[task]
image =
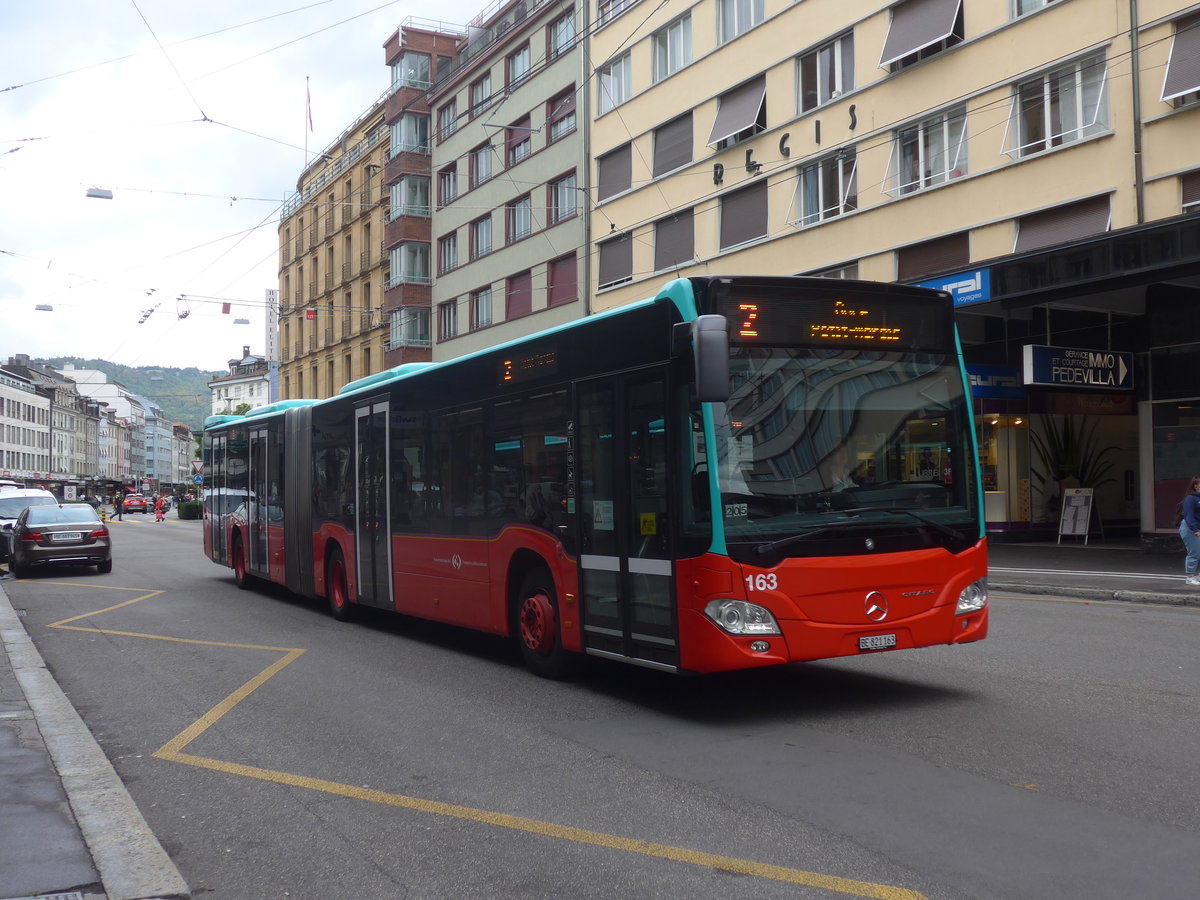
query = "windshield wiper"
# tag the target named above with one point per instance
(946, 530)
(766, 548)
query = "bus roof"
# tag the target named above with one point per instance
(677, 291)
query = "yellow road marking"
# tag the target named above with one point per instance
(172, 751)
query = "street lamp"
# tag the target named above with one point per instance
(99, 193)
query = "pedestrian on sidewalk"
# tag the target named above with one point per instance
(1189, 530)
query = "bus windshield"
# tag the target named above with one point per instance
(819, 449)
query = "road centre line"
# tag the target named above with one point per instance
(173, 751)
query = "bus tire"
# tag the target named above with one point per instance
(336, 589)
(241, 576)
(536, 624)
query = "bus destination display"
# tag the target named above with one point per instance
(838, 321)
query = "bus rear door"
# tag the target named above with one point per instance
(625, 564)
(372, 516)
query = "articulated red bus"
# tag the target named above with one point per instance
(742, 471)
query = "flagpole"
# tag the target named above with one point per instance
(307, 118)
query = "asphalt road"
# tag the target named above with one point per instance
(277, 753)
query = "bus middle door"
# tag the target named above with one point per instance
(372, 516)
(628, 585)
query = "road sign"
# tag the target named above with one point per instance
(197, 479)
(197, 465)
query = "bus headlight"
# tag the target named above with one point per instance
(973, 598)
(740, 617)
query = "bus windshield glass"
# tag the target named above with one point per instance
(823, 451)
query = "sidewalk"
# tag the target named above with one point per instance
(1114, 569)
(67, 825)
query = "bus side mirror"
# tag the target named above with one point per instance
(710, 349)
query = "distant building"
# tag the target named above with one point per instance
(248, 383)
(24, 429)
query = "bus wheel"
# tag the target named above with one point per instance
(335, 587)
(536, 627)
(240, 576)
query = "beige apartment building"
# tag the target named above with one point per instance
(509, 160)
(332, 264)
(1039, 159)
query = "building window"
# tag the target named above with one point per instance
(827, 188)
(411, 70)
(943, 254)
(919, 29)
(481, 308)
(1181, 84)
(741, 114)
(448, 119)
(562, 34)
(517, 65)
(447, 320)
(614, 172)
(1025, 7)
(846, 271)
(744, 215)
(560, 113)
(615, 264)
(448, 184)
(410, 196)
(518, 295)
(674, 241)
(1060, 107)
(1062, 224)
(1189, 185)
(410, 134)
(481, 164)
(825, 73)
(448, 252)
(562, 199)
(518, 140)
(410, 264)
(614, 83)
(930, 152)
(409, 328)
(673, 145)
(520, 219)
(610, 9)
(736, 17)
(481, 94)
(562, 277)
(481, 237)
(672, 47)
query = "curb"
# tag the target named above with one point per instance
(1058, 590)
(131, 862)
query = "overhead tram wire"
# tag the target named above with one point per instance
(117, 59)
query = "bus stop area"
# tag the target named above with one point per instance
(69, 827)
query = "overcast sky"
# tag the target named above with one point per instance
(115, 94)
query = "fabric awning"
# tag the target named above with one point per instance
(738, 110)
(917, 24)
(1183, 68)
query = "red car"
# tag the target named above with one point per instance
(136, 503)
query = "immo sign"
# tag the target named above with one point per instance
(1068, 367)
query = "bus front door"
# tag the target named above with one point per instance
(372, 517)
(627, 580)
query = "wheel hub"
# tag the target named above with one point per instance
(538, 623)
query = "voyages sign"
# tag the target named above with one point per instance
(1110, 370)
